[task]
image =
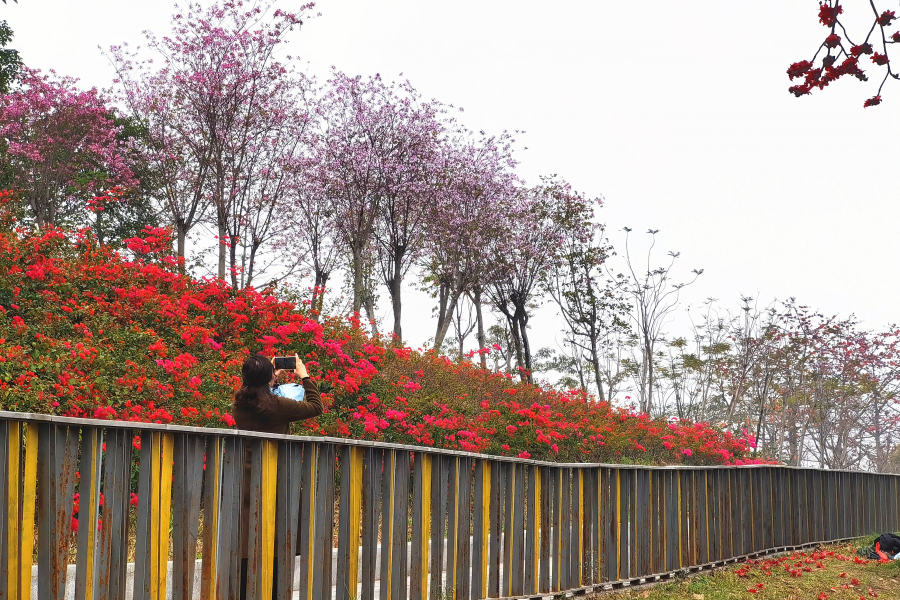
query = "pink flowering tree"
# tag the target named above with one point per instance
(226, 122)
(62, 146)
(476, 178)
(373, 159)
(524, 252)
(841, 53)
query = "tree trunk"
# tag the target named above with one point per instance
(595, 362)
(222, 238)
(526, 349)
(517, 342)
(447, 301)
(181, 236)
(370, 312)
(482, 340)
(358, 279)
(232, 259)
(395, 286)
(318, 295)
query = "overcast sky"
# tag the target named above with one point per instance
(676, 113)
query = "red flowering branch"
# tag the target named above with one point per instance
(841, 55)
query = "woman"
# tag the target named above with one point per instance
(262, 405)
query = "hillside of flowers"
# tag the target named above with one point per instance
(91, 331)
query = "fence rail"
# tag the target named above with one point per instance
(332, 518)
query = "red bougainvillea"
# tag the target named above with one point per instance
(87, 331)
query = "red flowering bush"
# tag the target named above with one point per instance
(87, 331)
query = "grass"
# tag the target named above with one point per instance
(826, 573)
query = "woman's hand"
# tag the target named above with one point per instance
(300, 369)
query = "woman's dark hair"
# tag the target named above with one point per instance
(254, 393)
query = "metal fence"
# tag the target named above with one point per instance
(333, 518)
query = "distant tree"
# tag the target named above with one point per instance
(309, 223)
(476, 182)
(372, 159)
(10, 61)
(590, 302)
(523, 252)
(225, 122)
(840, 54)
(63, 146)
(653, 298)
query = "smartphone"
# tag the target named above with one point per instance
(286, 363)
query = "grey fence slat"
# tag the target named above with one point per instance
(804, 500)
(834, 499)
(495, 520)
(725, 516)
(596, 546)
(531, 532)
(588, 489)
(546, 526)
(119, 564)
(694, 521)
(575, 528)
(346, 589)
(212, 477)
(113, 533)
(142, 527)
(841, 499)
(735, 493)
(565, 516)
(253, 522)
(89, 470)
(4, 508)
(401, 524)
(632, 524)
(287, 514)
(625, 494)
(643, 523)
(777, 509)
(657, 524)
(48, 482)
(509, 475)
(608, 500)
(715, 516)
(672, 532)
(438, 525)
(307, 520)
(229, 517)
(554, 491)
(57, 459)
(420, 537)
(769, 525)
(371, 505)
(703, 515)
(186, 491)
(463, 528)
(597, 526)
(479, 528)
(452, 521)
(517, 532)
(324, 535)
(684, 509)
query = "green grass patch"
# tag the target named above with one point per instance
(829, 572)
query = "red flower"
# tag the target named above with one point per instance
(885, 18)
(828, 14)
(872, 102)
(797, 69)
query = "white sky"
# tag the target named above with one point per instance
(677, 113)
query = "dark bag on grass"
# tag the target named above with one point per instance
(889, 543)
